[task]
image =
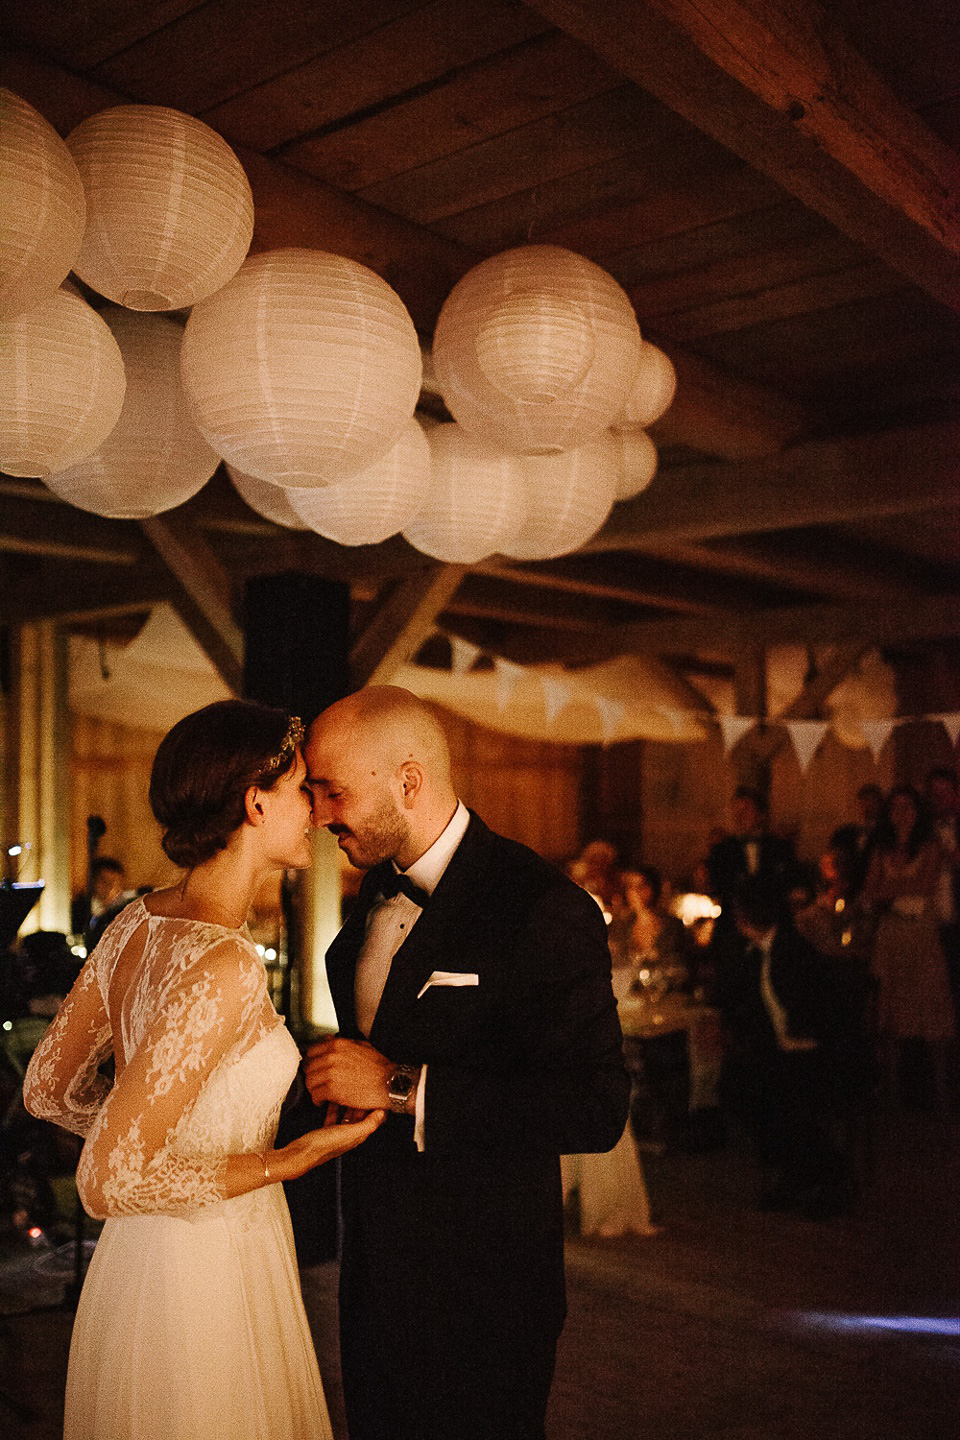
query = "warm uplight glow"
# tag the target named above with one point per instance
(691, 908)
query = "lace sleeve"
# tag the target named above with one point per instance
(130, 1164)
(62, 1083)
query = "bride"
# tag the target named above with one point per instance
(190, 1325)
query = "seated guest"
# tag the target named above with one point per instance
(644, 930)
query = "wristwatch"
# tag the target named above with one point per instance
(401, 1085)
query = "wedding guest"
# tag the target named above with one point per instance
(943, 798)
(855, 842)
(914, 1005)
(472, 987)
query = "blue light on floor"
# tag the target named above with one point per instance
(902, 1324)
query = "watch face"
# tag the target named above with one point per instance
(400, 1087)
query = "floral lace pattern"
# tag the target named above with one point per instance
(181, 1004)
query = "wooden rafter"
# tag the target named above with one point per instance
(200, 593)
(402, 623)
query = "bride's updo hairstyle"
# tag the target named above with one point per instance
(206, 764)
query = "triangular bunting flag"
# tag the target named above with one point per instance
(806, 736)
(733, 728)
(950, 723)
(462, 654)
(875, 733)
(508, 676)
(556, 696)
(611, 713)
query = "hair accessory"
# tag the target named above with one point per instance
(291, 740)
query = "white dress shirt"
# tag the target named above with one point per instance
(389, 922)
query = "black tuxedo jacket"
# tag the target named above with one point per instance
(460, 1247)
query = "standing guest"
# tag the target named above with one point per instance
(913, 991)
(472, 986)
(776, 1015)
(190, 1325)
(855, 842)
(109, 894)
(943, 798)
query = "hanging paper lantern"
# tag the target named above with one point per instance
(169, 208)
(376, 503)
(270, 501)
(42, 208)
(638, 462)
(475, 501)
(61, 386)
(535, 345)
(155, 457)
(652, 390)
(304, 369)
(534, 349)
(569, 496)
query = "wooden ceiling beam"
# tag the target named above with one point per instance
(897, 472)
(402, 623)
(776, 83)
(830, 670)
(200, 593)
(920, 618)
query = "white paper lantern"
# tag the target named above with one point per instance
(652, 390)
(535, 345)
(61, 386)
(475, 501)
(535, 349)
(270, 501)
(304, 369)
(638, 462)
(376, 503)
(42, 207)
(569, 496)
(155, 457)
(169, 208)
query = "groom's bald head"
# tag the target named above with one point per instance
(379, 765)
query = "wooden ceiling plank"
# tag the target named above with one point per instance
(201, 593)
(83, 35)
(499, 93)
(414, 50)
(566, 141)
(225, 46)
(402, 623)
(818, 483)
(798, 104)
(783, 302)
(837, 580)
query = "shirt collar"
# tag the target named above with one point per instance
(426, 871)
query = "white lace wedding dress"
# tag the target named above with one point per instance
(190, 1325)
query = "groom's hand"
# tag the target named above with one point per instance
(347, 1073)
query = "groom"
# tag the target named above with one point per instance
(472, 987)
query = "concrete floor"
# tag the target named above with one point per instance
(731, 1324)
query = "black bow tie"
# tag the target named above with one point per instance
(394, 882)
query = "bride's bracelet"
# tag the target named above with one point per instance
(266, 1169)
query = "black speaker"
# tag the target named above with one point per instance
(297, 631)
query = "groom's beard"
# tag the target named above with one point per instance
(372, 840)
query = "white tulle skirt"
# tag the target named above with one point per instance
(195, 1330)
(613, 1192)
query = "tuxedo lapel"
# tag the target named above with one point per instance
(442, 930)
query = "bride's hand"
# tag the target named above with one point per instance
(318, 1146)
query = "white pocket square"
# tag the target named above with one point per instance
(448, 977)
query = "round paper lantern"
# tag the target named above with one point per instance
(376, 503)
(535, 345)
(569, 496)
(42, 207)
(534, 349)
(638, 462)
(169, 208)
(155, 457)
(270, 501)
(652, 390)
(61, 386)
(475, 501)
(303, 369)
